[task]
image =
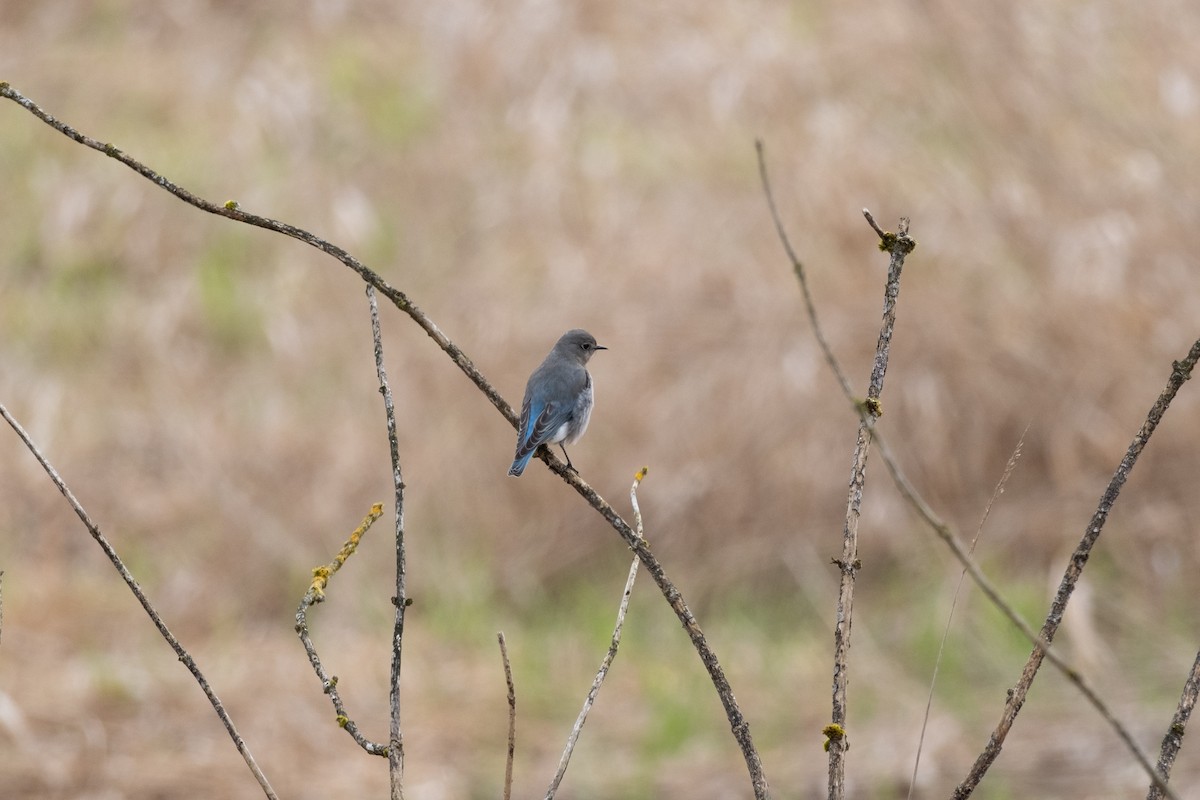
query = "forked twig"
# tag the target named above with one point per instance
(400, 601)
(316, 594)
(184, 657)
(512, 718)
(737, 722)
(602, 673)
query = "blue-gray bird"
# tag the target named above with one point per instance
(558, 399)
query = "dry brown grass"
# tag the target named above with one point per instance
(208, 390)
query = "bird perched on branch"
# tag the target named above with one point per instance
(558, 399)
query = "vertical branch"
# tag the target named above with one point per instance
(512, 718)
(184, 657)
(400, 601)
(1173, 740)
(900, 246)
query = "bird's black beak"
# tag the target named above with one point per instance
(600, 347)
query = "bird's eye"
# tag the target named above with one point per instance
(586, 346)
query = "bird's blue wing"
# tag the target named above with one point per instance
(539, 422)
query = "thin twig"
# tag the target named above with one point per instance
(1009, 466)
(899, 245)
(512, 718)
(878, 230)
(633, 501)
(608, 657)
(737, 721)
(400, 601)
(798, 268)
(316, 594)
(126, 576)
(1180, 372)
(1173, 739)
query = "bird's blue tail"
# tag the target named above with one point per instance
(519, 464)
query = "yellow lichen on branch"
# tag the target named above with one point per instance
(322, 574)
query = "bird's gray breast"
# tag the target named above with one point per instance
(577, 425)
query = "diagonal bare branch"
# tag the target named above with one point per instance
(1181, 371)
(184, 657)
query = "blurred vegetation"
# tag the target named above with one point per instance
(209, 393)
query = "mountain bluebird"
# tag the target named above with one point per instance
(558, 399)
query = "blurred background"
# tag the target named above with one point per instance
(208, 390)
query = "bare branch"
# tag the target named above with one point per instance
(609, 656)
(512, 718)
(1173, 740)
(316, 594)
(400, 601)
(737, 721)
(184, 657)
(1180, 372)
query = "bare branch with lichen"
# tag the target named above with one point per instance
(316, 594)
